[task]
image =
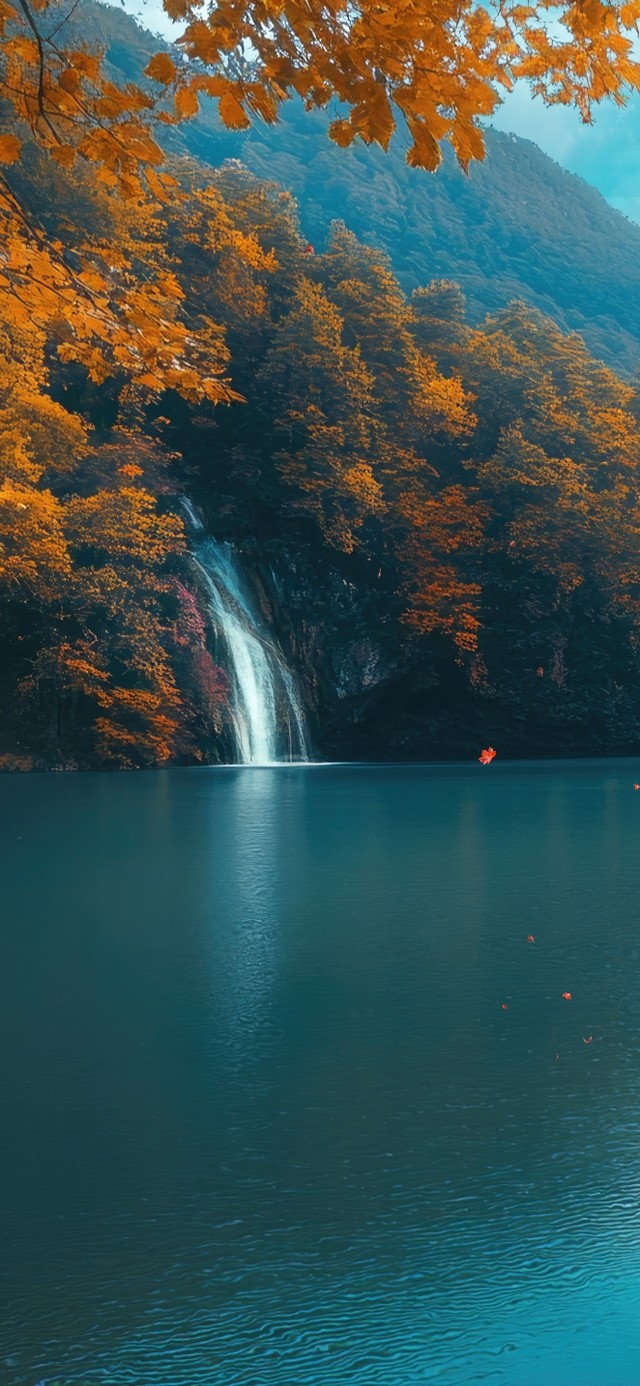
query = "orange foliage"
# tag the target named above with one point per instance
(328, 424)
(437, 68)
(84, 551)
(444, 528)
(442, 66)
(562, 469)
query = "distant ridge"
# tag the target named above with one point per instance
(519, 226)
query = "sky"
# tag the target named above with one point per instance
(606, 153)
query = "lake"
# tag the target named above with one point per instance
(265, 1121)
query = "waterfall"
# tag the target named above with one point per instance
(192, 515)
(267, 714)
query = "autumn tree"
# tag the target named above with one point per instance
(440, 322)
(443, 528)
(100, 664)
(326, 422)
(555, 456)
(380, 321)
(438, 69)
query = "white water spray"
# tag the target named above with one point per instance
(192, 515)
(267, 714)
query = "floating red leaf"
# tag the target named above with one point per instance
(487, 756)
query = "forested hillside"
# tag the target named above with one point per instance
(518, 226)
(441, 520)
(438, 515)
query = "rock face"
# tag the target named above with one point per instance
(372, 692)
(369, 692)
(328, 628)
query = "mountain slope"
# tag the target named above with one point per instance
(518, 227)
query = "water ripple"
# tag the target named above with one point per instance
(265, 1120)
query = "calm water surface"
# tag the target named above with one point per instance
(264, 1119)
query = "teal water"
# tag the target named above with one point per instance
(264, 1119)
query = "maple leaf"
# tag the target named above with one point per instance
(161, 69)
(186, 102)
(232, 112)
(9, 149)
(487, 756)
(341, 132)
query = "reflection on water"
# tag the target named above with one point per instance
(248, 852)
(264, 1118)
